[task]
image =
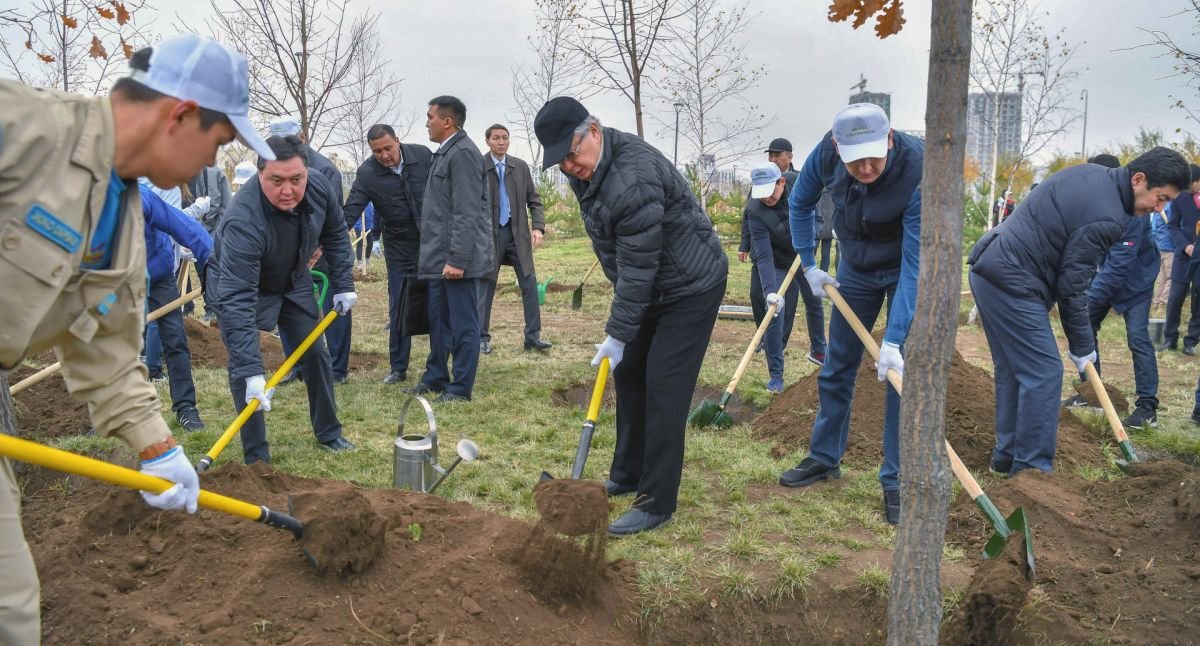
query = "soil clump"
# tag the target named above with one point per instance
(1119, 401)
(987, 614)
(970, 419)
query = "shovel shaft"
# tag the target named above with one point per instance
(1110, 412)
(73, 463)
(252, 406)
(588, 273)
(56, 366)
(183, 275)
(598, 391)
(762, 329)
(581, 451)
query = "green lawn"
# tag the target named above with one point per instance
(737, 534)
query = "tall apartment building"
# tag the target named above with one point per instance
(981, 107)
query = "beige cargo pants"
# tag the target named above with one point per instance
(20, 617)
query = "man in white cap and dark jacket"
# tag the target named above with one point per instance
(73, 256)
(659, 250)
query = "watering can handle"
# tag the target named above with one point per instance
(428, 417)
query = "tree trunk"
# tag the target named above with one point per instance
(915, 601)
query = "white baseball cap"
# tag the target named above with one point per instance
(283, 126)
(861, 130)
(195, 68)
(243, 172)
(762, 179)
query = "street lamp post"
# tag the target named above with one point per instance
(1083, 147)
(678, 107)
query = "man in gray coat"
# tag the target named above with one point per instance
(457, 251)
(515, 239)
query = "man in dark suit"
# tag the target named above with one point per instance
(1182, 223)
(394, 181)
(457, 251)
(515, 239)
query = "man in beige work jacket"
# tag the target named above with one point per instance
(73, 257)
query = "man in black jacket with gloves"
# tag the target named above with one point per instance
(394, 181)
(258, 278)
(1047, 252)
(659, 250)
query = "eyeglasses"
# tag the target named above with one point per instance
(575, 150)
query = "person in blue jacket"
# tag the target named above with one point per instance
(1125, 283)
(1166, 254)
(1047, 252)
(873, 174)
(1183, 222)
(166, 226)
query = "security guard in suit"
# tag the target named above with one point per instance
(73, 256)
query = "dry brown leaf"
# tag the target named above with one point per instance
(69, 21)
(122, 13)
(867, 9)
(105, 13)
(891, 21)
(28, 44)
(840, 10)
(127, 49)
(46, 58)
(97, 48)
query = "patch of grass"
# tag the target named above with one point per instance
(829, 559)
(792, 577)
(745, 542)
(736, 582)
(414, 531)
(875, 578)
(950, 600)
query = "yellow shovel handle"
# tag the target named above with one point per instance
(598, 390)
(251, 407)
(73, 463)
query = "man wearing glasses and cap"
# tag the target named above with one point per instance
(873, 174)
(73, 255)
(659, 250)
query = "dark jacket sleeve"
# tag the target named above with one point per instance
(764, 259)
(1174, 226)
(225, 193)
(637, 223)
(537, 215)
(1117, 269)
(335, 246)
(468, 198)
(239, 264)
(1081, 255)
(358, 200)
(744, 242)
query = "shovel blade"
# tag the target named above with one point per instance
(577, 298)
(704, 413)
(1016, 523)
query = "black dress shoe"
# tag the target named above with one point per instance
(1189, 350)
(395, 377)
(636, 521)
(808, 472)
(419, 389)
(891, 506)
(485, 347)
(538, 344)
(337, 445)
(613, 489)
(291, 376)
(446, 398)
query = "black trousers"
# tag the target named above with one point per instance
(400, 256)
(1183, 283)
(506, 252)
(654, 384)
(176, 354)
(296, 323)
(758, 306)
(337, 335)
(453, 332)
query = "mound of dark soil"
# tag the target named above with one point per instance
(970, 419)
(204, 342)
(1119, 402)
(46, 410)
(579, 396)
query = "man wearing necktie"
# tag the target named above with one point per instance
(515, 239)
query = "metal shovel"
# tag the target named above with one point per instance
(589, 426)
(708, 412)
(1004, 527)
(577, 295)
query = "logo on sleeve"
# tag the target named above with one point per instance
(53, 229)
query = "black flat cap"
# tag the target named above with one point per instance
(779, 145)
(555, 126)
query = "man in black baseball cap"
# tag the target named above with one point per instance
(779, 145)
(638, 209)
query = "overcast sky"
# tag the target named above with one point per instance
(468, 48)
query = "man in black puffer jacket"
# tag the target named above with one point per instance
(1047, 252)
(668, 270)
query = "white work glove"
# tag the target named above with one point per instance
(255, 387)
(889, 357)
(186, 254)
(174, 466)
(1081, 362)
(343, 302)
(817, 278)
(777, 301)
(611, 348)
(376, 249)
(201, 205)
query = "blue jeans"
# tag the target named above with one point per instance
(1029, 372)
(153, 348)
(864, 291)
(1137, 335)
(775, 338)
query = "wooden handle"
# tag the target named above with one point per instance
(589, 272)
(1110, 412)
(184, 265)
(56, 366)
(762, 328)
(960, 470)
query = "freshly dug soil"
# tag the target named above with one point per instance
(572, 507)
(204, 342)
(580, 395)
(1119, 402)
(342, 534)
(970, 419)
(987, 614)
(115, 571)
(560, 287)
(1117, 561)
(46, 410)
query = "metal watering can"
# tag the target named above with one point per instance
(416, 456)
